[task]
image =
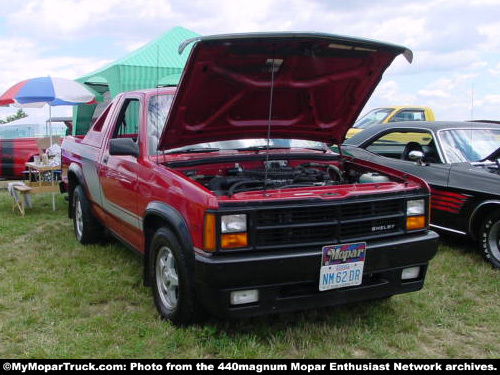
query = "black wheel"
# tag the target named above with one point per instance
(87, 228)
(172, 279)
(489, 237)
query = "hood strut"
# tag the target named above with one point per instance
(271, 93)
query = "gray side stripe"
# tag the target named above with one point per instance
(97, 195)
(127, 216)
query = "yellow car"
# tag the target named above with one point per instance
(391, 114)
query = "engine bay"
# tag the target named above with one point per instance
(232, 178)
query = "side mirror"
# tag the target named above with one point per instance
(416, 156)
(123, 146)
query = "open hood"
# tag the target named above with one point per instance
(288, 85)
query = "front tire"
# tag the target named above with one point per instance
(489, 237)
(87, 228)
(172, 280)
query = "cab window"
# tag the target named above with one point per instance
(398, 145)
(127, 123)
(408, 115)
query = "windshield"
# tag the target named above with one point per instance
(158, 108)
(250, 144)
(373, 117)
(469, 145)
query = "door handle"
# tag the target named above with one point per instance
(105, 159)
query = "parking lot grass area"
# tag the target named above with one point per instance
(59, 299)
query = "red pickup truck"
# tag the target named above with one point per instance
(228, 188)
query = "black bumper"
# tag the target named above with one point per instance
(291, 282)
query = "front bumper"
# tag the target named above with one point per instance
(288, 282)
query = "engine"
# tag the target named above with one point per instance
(278, 174)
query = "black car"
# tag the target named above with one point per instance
(461, 163)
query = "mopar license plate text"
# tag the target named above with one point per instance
(342, 265)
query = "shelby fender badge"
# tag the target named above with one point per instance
(342, 265)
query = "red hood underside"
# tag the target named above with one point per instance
(294, 86)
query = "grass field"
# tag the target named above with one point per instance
(59, 299)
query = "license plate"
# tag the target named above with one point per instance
(342, 265)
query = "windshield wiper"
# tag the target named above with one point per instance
(324, 148)
(193, 150)
(262, 148)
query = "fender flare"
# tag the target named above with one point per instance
(76, 170)
(159, 214)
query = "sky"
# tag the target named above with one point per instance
(455, 43)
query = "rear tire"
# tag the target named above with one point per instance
(87, 228)
(172, 279)
(489, 239)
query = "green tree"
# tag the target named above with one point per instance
(19, 114)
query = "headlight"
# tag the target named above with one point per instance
(416, 207)
(233, 223)
(415, 214)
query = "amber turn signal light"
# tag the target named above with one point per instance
(415, 222)
(234, 240)
(209, 232)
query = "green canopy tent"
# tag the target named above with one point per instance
(157, 63)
